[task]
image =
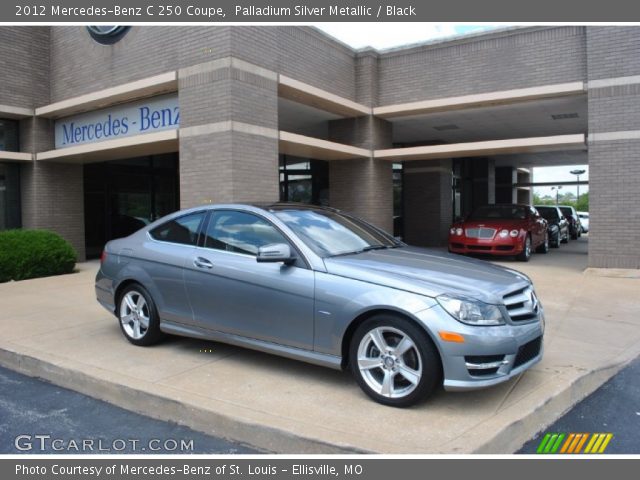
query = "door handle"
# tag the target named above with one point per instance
(202, 263)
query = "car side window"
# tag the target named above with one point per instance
(182, 230)
(240, 232)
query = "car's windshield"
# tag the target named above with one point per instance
(499, 212)
(329, 233)
(550, 213)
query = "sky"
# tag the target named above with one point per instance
(559, 174)
(389, 35)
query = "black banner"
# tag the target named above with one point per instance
(298, 11)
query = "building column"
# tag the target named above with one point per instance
(428, 205)
(228, 133)
(506, 178)
(614, 146)
(363, 187)
(52, 194)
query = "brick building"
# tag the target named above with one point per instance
(102, 134)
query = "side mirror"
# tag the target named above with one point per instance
(275, 252)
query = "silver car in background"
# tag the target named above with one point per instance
(321, 286)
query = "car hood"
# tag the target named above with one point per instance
(497, 224)
(429, 272)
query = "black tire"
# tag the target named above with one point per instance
(544, 248)
(525, 255)
(147, 313)
(422, 356)
(574, 236)
(566, 238)
(555, 240)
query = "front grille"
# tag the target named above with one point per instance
(504, 248)
(528, 352)
(487, 233)
(522, 304)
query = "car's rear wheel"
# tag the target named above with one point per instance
(394, 361)
(525, 255)
(555, 240)
(565, 239)
(544, 247)
(138, 316)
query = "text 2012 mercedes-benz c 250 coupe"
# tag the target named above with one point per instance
(321, 286)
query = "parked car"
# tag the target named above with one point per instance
(503, 229)
(584, 221)
(558, 224)
(318, 285)
(575, 229)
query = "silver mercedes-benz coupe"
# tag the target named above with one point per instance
(322, 286)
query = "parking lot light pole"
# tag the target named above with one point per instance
(557, 189)
(577, 173)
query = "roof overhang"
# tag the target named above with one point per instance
(310, 147)
(318, 98)
(15, 156)
(134, 146)
(491, 147)
(146, 87)
(8, 111)
(480, 100)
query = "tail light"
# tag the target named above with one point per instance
(103, 257)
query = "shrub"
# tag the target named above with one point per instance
(34, 253)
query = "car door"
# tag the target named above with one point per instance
(168, 247)
(231, 292)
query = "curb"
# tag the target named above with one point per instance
(267, 439)
(271, 440)
(513, 437)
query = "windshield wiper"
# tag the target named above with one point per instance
(364, 249)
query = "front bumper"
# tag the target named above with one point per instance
(489, 355)
(494, 246)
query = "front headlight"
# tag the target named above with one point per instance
(471, 311)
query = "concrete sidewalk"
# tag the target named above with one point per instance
(53, 328)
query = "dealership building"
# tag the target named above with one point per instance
(103, 130)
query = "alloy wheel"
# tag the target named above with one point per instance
(389, 362)
(134, 315)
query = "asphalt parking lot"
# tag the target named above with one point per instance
(54, 329)
(38, 417)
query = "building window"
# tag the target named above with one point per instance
(8, 135)
(398, 203)
(304, 181)
(10, 216)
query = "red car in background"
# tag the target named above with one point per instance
(502, 229)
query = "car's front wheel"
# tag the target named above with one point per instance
(544, 247)
(138, 316)
(525, 255)
(394, 361)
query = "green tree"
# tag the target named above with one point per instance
(582, 205)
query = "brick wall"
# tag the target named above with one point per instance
(504, 60)
(24, 76)
(614, 169)
(428, 208)
(363, 187)
(227, 164)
